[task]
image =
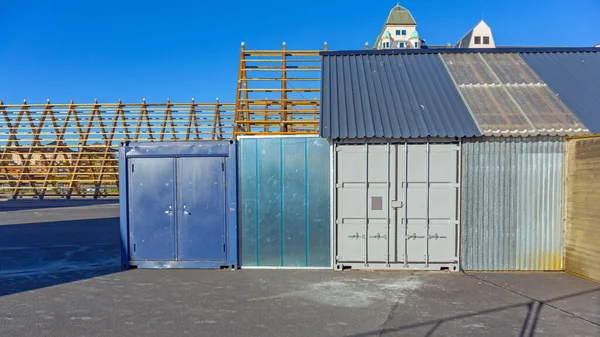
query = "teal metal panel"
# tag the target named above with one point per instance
(248, 201)
(318, 191)
(284, 200)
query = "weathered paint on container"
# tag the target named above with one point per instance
(583, 190)
(512, 210)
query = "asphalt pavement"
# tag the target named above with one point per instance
(60, 276)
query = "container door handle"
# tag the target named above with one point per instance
(185, 211)
(170, 211)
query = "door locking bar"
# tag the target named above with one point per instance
(357, 236)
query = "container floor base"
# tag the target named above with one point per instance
(182, 265)
(340, 266)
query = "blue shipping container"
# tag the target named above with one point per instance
(178, 204)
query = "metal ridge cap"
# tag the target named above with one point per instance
(497, 50)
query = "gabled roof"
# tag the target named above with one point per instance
(460, 92)
(466, 40)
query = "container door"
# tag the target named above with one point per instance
(378, 204)
(428, 186)
(443, 203)
(414, 173)
(351, 200)
(201, 209)
(364, 213)
(152, 209)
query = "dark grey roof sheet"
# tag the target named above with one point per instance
(575, 77)
(391, 96)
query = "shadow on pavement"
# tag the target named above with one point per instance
(30, 204)
(44, 254)
(528, 328)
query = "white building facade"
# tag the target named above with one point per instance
(479, 37)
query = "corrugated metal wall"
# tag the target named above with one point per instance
(512, 206)
(583, 211)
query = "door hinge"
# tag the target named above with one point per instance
(132, 168)
(339, 185)
(223, 247)
(134, 247)
(223, 167)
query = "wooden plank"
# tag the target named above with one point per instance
(582, 252)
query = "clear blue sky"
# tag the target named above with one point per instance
(125, 49)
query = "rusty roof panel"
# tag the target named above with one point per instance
(493, 109)
(544, 109)
(506, 97)
(468, 69)
(511, 68)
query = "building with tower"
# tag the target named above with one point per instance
(399, 31)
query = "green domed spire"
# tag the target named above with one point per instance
(386, 35)
(400, 16)
(415, 35)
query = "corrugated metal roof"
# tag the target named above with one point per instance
(508, 98)
(575, 77)
(391, 96)
(507, 92)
